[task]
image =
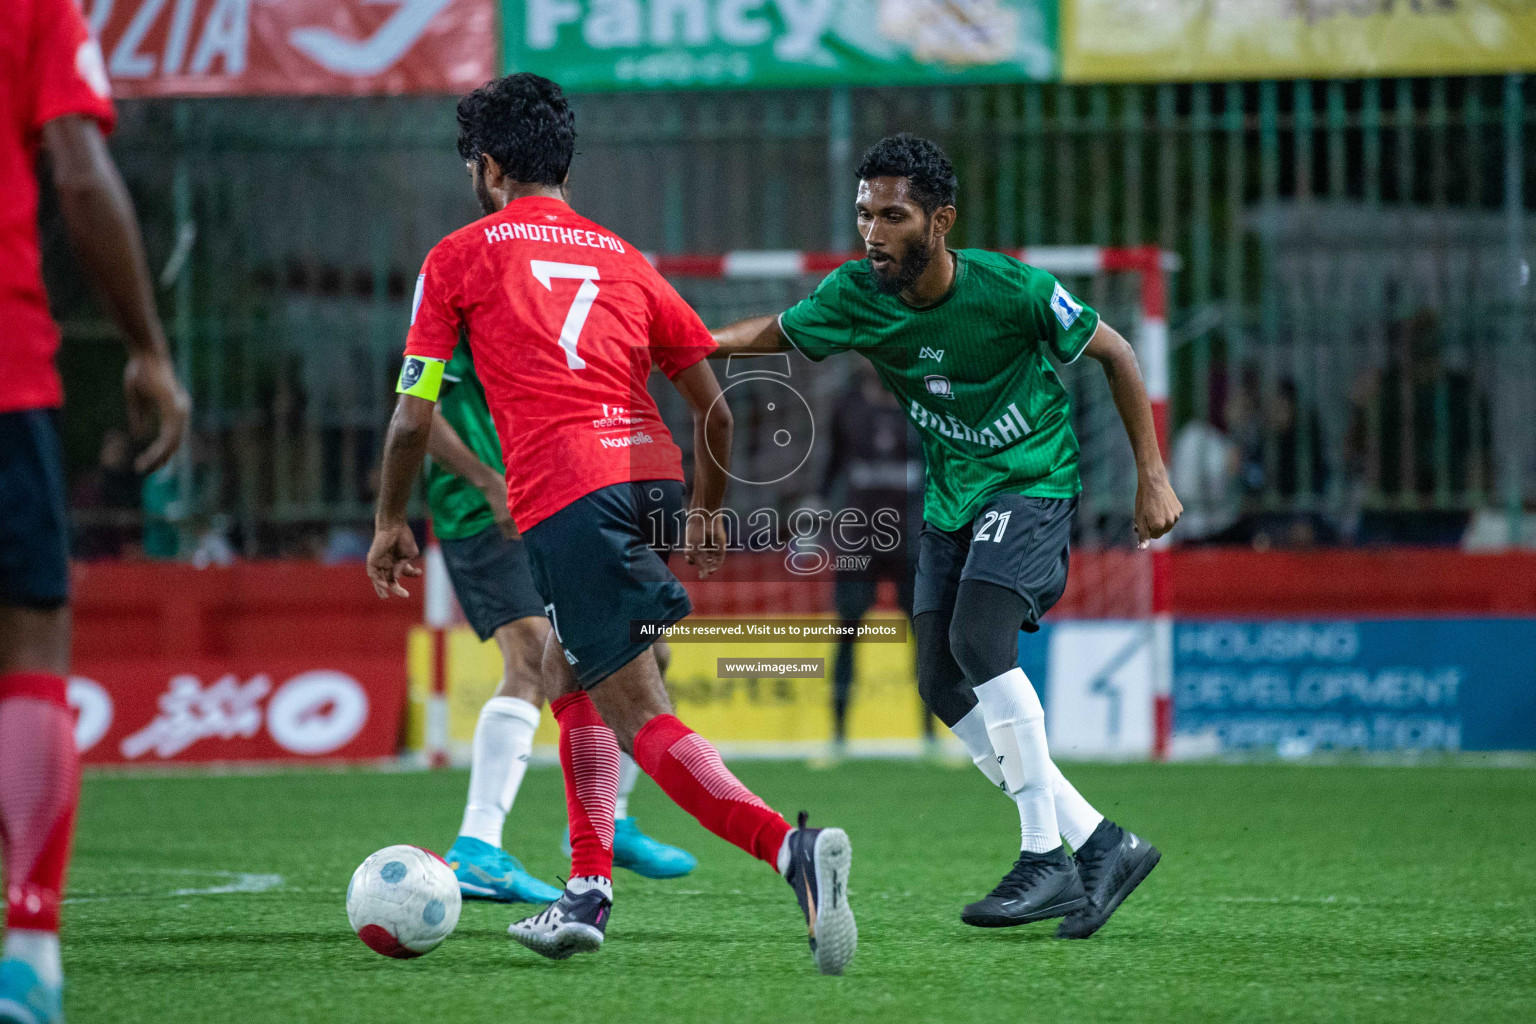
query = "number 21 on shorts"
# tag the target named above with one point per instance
(991, 519)
(547, 273)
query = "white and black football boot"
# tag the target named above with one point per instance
(1112, 864)
(1039, 886)
(575, 923)
(819, 862)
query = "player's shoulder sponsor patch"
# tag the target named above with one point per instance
(421, 284)
(1066, 308)
(92, 69)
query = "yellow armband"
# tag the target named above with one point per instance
(421, 377)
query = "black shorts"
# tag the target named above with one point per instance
(600, 563)
(492, 580)
(1015, 542)
(34, 519)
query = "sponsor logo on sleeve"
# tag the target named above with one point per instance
(92, 69)
(1066, 308)
(421, 284)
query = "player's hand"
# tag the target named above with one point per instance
(389, 559)
(494, 487)
(1157, 509)
(704, 541)
(155, 398)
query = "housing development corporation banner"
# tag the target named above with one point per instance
(339, 47)
(1162, 40)
(639, 44)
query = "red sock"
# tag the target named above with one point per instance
(589, 757)
(39, 790)
(688, 769)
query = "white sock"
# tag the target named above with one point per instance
(1075, 815)
(629, 774)
(1016, 724)
(586, 883)
(783, 858)
(503, 741)
(38, 950)
(972, 732)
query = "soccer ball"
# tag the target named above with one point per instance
(403, 901)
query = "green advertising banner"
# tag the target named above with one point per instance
(592, 45)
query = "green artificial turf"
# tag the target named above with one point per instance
(1286, 892)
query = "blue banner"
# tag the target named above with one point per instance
(1295, 687)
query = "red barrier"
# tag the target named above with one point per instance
(295, 661)
(262, 661)
(1214, 582)
(1237, 582)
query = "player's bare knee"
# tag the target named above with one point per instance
(556, 675)
(522, 643)
(663, 652)
(35, 639)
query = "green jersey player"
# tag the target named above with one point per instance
(965, 340)
(492, 579)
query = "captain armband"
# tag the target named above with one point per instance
(421, 377)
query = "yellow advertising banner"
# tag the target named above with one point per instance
(743, 714)
(1180, 40)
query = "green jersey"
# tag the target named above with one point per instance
(971, 370)
(459, 510)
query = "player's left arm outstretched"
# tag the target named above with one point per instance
(1157, 507)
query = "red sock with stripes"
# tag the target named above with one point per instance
(589, 757)
(688, 769)
(39, 790)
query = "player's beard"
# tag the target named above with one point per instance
(909, 268)
(483, 193)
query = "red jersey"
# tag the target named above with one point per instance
(566, 320)
(49, 66)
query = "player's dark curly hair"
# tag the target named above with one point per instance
(524, 122)
(930, 176)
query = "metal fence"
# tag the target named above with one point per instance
(1353, 332)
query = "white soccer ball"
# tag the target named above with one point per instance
(403, 901)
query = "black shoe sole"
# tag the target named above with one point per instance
(1001, 920)
(1087, 925)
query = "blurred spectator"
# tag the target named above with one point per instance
(1292, 478)
(875, 465)
(106, 501)
(214, 546)
(1419, 435)
(1205, 474)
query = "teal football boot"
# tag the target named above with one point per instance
(638, 852)
(487, 872)
(24, 999)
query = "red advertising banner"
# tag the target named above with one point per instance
(154, 711)
(289, 47)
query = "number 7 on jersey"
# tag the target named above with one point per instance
(547, 273)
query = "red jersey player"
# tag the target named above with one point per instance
(55, 98)
(566, 320)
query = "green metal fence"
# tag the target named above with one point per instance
(1352, 320)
